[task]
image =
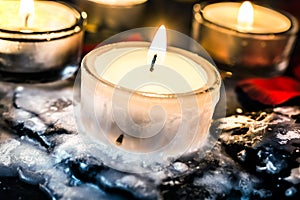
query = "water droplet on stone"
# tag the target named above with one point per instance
(19, 89)
(180, 167)
(290, 192)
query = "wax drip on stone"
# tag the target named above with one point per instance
(30, 177)
(16, 94)
(129, 186)
(29, 124)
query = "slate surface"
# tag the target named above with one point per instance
(42, 156)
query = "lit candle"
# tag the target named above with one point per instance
(112, 15)
(120, 3)
(40, 16)
(125, 60)
(39, 41)
(26, 13)
(245, 38)
(247, 17)
(146, 103)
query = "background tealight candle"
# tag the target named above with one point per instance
(30, 16)
(259, 47)
(39, 44)
(111, 16)
(143, 118)
(234, 15)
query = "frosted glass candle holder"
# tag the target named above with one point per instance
(140, 120)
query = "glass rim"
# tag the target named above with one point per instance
(38, 36)
(212, 83)
(291, 31)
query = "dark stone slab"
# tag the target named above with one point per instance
(256, 157)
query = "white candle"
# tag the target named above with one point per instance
(115, 64)
(39, 41)
(159, 114)
(44, 16)
(265, 20)
(119, 2)
(245, 39)
(112, 16)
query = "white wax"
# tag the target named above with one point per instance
(265, 20)
(115, 65)
(120, 2)
(48, 16)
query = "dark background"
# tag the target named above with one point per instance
(176, 15)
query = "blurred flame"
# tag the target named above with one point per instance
(26, 12)
(246, 16)
(158, 46)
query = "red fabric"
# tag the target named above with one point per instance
(297, 72)
(87, 48)
(272, 91)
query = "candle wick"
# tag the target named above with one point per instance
(153, 62)
(26, 20)
(119, 140)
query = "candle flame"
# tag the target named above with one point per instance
(26, 12)
(158, 46)
(245, 16)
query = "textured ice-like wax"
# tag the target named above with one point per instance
(157, 127)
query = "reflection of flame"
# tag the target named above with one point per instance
(245, 16)
(158, 46)
(26, 12)
(120, 2)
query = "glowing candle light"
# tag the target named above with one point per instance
(26, 12)
(244, 38)
(245, 16)
(145, 116)
(39, 41)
